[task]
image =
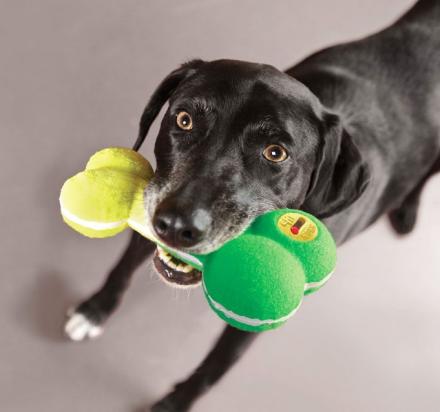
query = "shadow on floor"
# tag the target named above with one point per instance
(45, 305)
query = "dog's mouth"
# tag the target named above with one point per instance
(175, 271)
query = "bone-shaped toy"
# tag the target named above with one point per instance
(254, 282)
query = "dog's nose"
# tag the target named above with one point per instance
(178, 228)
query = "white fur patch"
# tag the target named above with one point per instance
(78, 327)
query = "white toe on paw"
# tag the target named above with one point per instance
(78, 327)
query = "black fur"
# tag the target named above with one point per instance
(361, 123)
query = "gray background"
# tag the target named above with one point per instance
(74, 77)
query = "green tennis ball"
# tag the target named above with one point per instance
(313, 245)
(253, 283)
(97, 203)
(257, 281)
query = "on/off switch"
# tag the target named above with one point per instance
(297, 226)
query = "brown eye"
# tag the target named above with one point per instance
(275, 153)
(184, 121)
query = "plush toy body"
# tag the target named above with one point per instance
(254, 282)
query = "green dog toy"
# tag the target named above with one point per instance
(254, 282)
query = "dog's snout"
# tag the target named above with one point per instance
(176, 230)
(180, 227)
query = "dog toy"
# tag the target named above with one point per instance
(254, 282)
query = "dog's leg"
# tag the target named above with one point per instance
(403, 219)
(229, 348)
(85, 321)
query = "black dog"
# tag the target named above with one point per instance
(349, 134)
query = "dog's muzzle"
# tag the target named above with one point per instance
(175, 272)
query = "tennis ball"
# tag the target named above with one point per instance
(253, 283)
(311, 242)
(98, 201)
(123, 159)
(256, 281)
(138, 217)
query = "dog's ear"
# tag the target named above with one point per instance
(161, 95)
(341, 176)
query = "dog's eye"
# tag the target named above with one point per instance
(184, 121)
(275, 153)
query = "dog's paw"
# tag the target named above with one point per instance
(78, 327)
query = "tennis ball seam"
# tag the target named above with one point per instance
(91, 224)
(312, 285)
(255, 322)
(245, 320)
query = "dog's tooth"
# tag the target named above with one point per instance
(167, 258)
(171, 264)
(181, 267)
(164, 256)
(162, 259)
(187, 269)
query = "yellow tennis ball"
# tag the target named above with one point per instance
(97, 203)
(138, 217)
(122, 159)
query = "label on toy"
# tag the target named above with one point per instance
(297, 227)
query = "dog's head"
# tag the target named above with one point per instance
(239, 139)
